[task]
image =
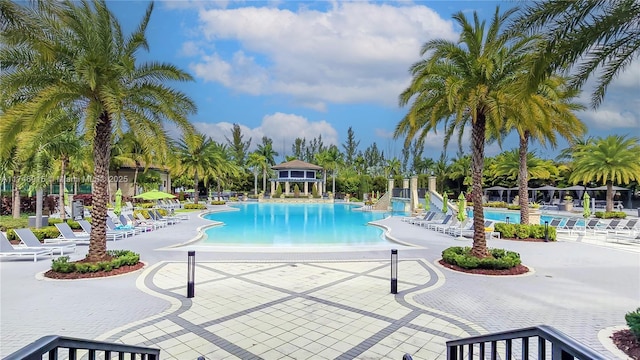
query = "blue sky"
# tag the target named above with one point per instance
(288, 69)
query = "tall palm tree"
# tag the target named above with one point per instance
(74, 54)
(542, 115)
(334, 159)
(468, 82)
(266, 150)
(194, 151)
(256, 162)
(607, 160)
(594, 37)
(222, 166)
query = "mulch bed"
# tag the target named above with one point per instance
(91, 275)
(627, 343)
(517, 270)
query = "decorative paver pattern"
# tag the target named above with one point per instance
(327, 310)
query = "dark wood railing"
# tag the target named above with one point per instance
(548, 343)
(57, 346)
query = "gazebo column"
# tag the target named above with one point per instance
(306, 188)
(287, 186)
(273, 187)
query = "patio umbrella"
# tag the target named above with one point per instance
(154, 195)
(462, 207)
(427, 201)
(586, 211)
(445, 202)
(117, 208)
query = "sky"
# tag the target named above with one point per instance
(289, 69)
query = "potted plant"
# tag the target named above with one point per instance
(568, 203)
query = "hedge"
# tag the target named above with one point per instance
(633, 321)
(498, 259)
(522, 231)
(120, 258)
(610, 214)
(47, 232)
(194, 206)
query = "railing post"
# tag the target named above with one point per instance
(394, 271)
(191, 273)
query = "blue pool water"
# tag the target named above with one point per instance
(514, 216)
(294, 225)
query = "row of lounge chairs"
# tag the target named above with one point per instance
(628, 227)
(118, 227)
(448, 224)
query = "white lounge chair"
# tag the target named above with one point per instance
(115, 229)
(150, 221)
(30, 241)
(67, 235)
(86, 226)
(140, 228)
(7, 250)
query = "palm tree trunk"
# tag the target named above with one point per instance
(334, 181)
(100, 189)
(15, 195)
(609, 196)
(523, 179)
(264, 180)
(255, 183)
(195, 187)
(61, 187)
(135, 181)
(479, 248)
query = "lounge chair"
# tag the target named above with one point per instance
(140, 228)
(569, 226)
(126, 231)
(630, 227)
(30, 241)
(86, 226)
(67, 235)
(611, 227)
(445, 221)
(7, 250)
(151, 221)
(428, 216)
(158, 217)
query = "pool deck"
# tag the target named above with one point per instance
(322, 304)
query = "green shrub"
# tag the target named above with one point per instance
(633, 321)
(522, 231)
(217, 202)
(495, 204)
(506, 230)
(610, 214)
(7, 223)
(513, 207)
(120, 258)
(278, 191)
(194, 206)
(498, 259)
(47, 232)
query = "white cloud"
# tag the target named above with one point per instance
(354, 52)
(612, 118)
(280, 127)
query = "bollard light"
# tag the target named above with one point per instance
(508, 222)
(546, 231)
(191, 273)
(394, 271)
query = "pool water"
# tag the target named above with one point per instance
(514, 216)
(294, 225)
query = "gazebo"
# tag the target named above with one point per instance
(296, 171)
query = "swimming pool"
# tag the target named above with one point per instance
(514, 216)
(273, 225)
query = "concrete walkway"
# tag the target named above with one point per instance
(335, 304)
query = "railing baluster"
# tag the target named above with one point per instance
(53, 354)
(120, 355)
(542, 349)
(507, 352)
(494, 350)
(470, 356)
(461, 352)
(452, 352)
(73, 352)
(107, 355)
(525, 348)
(481, 351)
(133, 356)
(92, 354)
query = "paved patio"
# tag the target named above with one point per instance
(322, 304)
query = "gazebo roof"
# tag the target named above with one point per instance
(296, 164)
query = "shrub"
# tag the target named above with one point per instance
(513, 207)
(633, 321)
(610, 214)
(120, 258)
(195, 206)
(522, 231)
(498, 259)
(296, 191)
(278, 191)
(217, 202)
(506, 230)
(314, 191)
(495, 204)
(47, 232)
(11, 223)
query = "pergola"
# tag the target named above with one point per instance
(296, 171)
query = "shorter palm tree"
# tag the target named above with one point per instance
(607, 160)
(194, 151)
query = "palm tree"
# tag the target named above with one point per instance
(194, 151)
(611, 159)
(134, 152)
(63, 147)
(466, 82)
(460, 170)
(592, 36)
(507, 164)
(74, 54)
(266, 149)
(322, 159)
(222, 166)
(541, 115)
(333, 160)
(256, 161)
(392, 167)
